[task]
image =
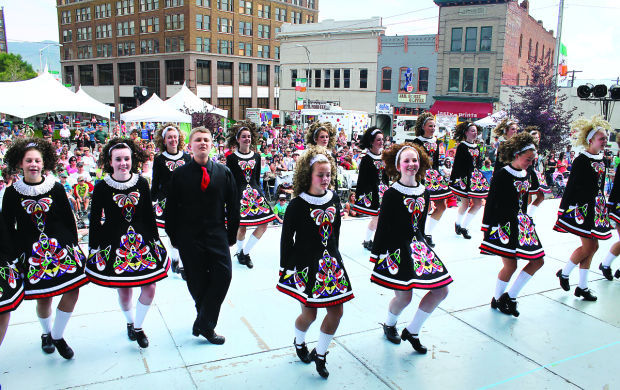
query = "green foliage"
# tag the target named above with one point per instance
(14, 68)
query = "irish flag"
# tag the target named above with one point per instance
(300, 85)
(562, 66)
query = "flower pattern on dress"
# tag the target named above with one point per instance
(461, 183)
(389, 261)
(127, 203)
(99, 257)
(133, 254)
(330, 278)
(415, 207)
(431, 148)
(37, 210)
(501, 233)
(49, 260)
(324, 220)
(365, 199)
(247, 167)
(295, 278)
(424, 260)
(577, 212)
(10, 274)
(172, 165)
(601, 215)
(252, 203)
(478, 182)
(435, 181)
(527, 234)
(159, 207)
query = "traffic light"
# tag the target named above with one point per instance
(141, 93)
(583, 91)
(599, 91)
(614, 92)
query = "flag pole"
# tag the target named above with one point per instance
(558, 43)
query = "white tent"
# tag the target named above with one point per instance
(186, 99)
(97, 107)
(155, 110)
(492, 120)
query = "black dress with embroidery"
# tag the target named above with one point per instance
(403, 260)
(436, 184)
(508, 230)
(311, 268)
(583, 209)
(371, 184)
(466, 180)
(42, 229)
(613, 203)
(125, 250)
(253, 207)
(538, 176)
(163, 167)
(11, 282)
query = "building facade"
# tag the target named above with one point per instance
(338, 59)
(3, 45)
(224, 50)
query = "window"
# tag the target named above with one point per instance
(264, 31)
(125, 28)
(203, 3)
(149, 5)
(520, 45)
(203, 44)
(518, 77)
(262, 75)
(262, 102)
(103, 11)
(225, 5)
(296, 2)
(225, 104)
(175, 72)
(149, 46)
(85, 52)
(468, 80)
(224, 46)
(336, 78)
(84, 33)
(104, 50)
(281, 14)
(104, 72)
(486, 34)
(149, 25)
(67, 36)
(483, 80)
(203, 22)
(311, 4)
(245, 28)
(454, 75)
(124, 7)
(263, 51)
(386, 79)
(224, 73)
(263, 11)
(245, 7)
(244, 103)
(276, 52)
(529, 50)
(103, 31)
(402, 87)
(363, 78)
(68, 75)
(127, 73)
(82, 14)
(471, 35)
(295, 17)
(245, 49)
(293, 77)
(174, 3)
(422, 79)
(203, 72)
(317, 78)
(149, 75)
(536, 53)
(175, 22)
(347, 78)
(127, 48)
(327, 82)
(224, 25)
(66, 17)
(86, 74)
(245, 74)
(457, 39)
(309, 18)
(276, 71)
(175, 44)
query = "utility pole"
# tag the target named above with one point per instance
(572, 79)
(558, 42)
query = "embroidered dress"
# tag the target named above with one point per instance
(466, 179)
(613, 203)
(254, 208)
(402, 258)
(583, 209)
(436, 184)
(508, 230)
(537, 173)
(311, 268)
(11, 282)
(163, 167)
(371, 184)
(43, 234)
(125, 250)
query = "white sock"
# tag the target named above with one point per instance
(300, 336)
(369, 234)
(239, 246)
(532, 210)
(46, 324)
(459, 218)
(141, 310)
(391, 318)
(60, 323)
(609, 259)
(430, 225)
(522, 279)
(583, 278)
(323, 344)
(468, 218)
(418, 319)
(250, 244)
(500, 287)
(568, 268)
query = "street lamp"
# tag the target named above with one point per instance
(41, 54)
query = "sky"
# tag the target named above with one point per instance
(591, 31)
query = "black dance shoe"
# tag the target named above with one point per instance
(46, 343)
(302, 352)
(141, 338)
(131, 332)
(508, 305)
(320, 362)
(174, 266)
(457, 229)
(240, 257)
(414, 340)
(465, 233)
(63, 349)
(429, 241)
(617, 274)
(212, 337)
(391, 333)
(564, 282)
(367, 245)
(586, 294)
(196, 329)
(494, 303)
(248, 261)
(606, 271)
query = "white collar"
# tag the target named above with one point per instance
(37, 189)
(374, 156)
(121, 185)
(424, 139)
(173, 156)
(593, 156)
(470, 145)
(406, 190)
(317, 200)
(520, 174)
(244, 156)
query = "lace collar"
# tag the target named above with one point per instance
(516, 173)
(121, 185)
(593, 156)
(37, 189)
(373, 156)
(424, 139)
(173, 156)
(406, 190)
(470, 145)
(244, 156)
(317, 200)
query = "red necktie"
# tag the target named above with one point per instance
(204, 183)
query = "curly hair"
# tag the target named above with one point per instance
(532, 129)
(303, 171)
(138, 155)
(389, 157)
(509, 148)
(503, 126)
(310, 139)
(15, 154)
(159, 141)
(582, 126)
(369, 137)
(461, 129)
(235, 131)
(422, 119)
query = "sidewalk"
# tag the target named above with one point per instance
(558, 342)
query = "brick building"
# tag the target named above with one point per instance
(224, 50)
(3, 46)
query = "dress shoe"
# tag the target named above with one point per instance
(46, 343)
(586, 293)
(508, 305)
(391, 333)
(494, 303)
(415, 341)
(212, 337)
(457, 228)
(564, 282)
(320, 362)
(429, 241)
(465, 233)
(606, 271)
(248, 261)
(240, 257)
(131, 332)
(302, 352)
(141, 338)
(63, 349)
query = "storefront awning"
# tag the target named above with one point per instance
(462, 109)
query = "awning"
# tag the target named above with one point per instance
(462, 109)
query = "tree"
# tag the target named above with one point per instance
(14, 68)
(537, 105)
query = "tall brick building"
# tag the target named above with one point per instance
(225, 50)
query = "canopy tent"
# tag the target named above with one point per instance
(492, 120)
(155, 110)
(97, 107)
(186, 99)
